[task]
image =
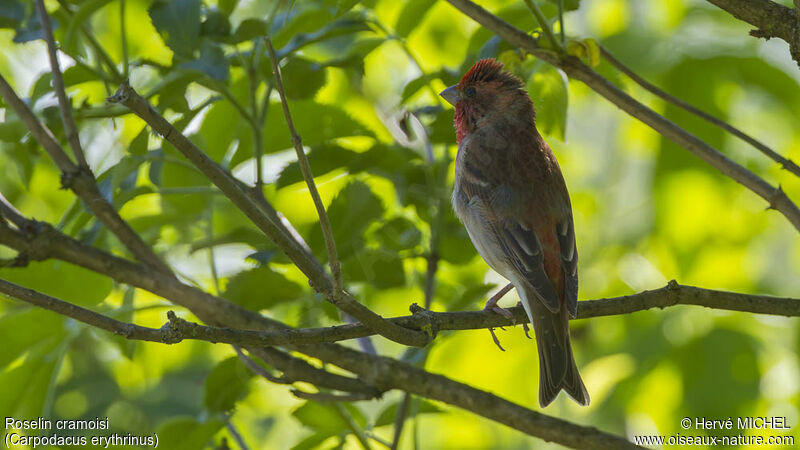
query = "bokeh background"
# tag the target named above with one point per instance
(361, 79)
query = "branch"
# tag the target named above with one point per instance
(252, 208)
(787, 164)
(81, 181)
(771, 19)
(671, 295)
(64, 105)
(573, 67)
(84, 315)
(382, 373)
(305, 168)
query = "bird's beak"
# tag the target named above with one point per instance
(451, 95)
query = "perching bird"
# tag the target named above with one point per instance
(512, 198)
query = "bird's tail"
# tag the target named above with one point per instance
(557, 369)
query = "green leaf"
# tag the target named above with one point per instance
(25, 386)
(75, 284)
(377, 267)
(178, 23)
(77, 21)
(26, 329)
(139, 143)
(344, 6)
(226, 384)
(187, 433)
(416, 84)
(412, 15)
(216, 25)
(227, 6)
(302, 78)
(350, 213)
(249, 29)
(261, 288)
(211, 62)
(398, 234)
(12, 13)
(325, 419)
(548, 90)
(311, 442)
(316, 123)
(78, 74)
(31, 28)
(387, 416)
(323, 159)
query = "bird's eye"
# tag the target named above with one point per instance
(470, 92)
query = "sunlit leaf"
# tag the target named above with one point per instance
(178, 22)
(226, 384)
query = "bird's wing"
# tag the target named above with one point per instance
(515, 241)
(569, 263)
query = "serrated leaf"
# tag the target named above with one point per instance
(323, 159)
(211, 62)
(302, 78)
(377, 267)
(261, 288)
(226, 384)
(398, 234)
(178, 23)
(316, 123)
(548, 90)
(350, 213)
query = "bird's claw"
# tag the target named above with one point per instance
(502, 311)
(496, 341)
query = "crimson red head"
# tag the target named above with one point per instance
(484, 91)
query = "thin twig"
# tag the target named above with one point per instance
(11, 213)
(576, 69)
(258, 369)
(537, 13)
(305, 168)
(787, 164)
(265, 218)
(84, 315)
(64, 105)
(389, 373)
(123, 40)
(81, 181)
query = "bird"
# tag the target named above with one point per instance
(512, 198)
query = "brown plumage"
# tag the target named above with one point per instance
(512, 198)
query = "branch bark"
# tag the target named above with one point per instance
(786, 163)
(576, 69)
(64, 105)
(252, 209)
(305, 168)
(375, 373)
(81, 181)
(771, 19)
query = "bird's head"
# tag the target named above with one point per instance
(486, 91)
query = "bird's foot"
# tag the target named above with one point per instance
(491, 304)
(496, 341)
(525, 327)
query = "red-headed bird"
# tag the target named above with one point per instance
(512, 198)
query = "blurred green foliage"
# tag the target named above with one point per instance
(362, 79)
